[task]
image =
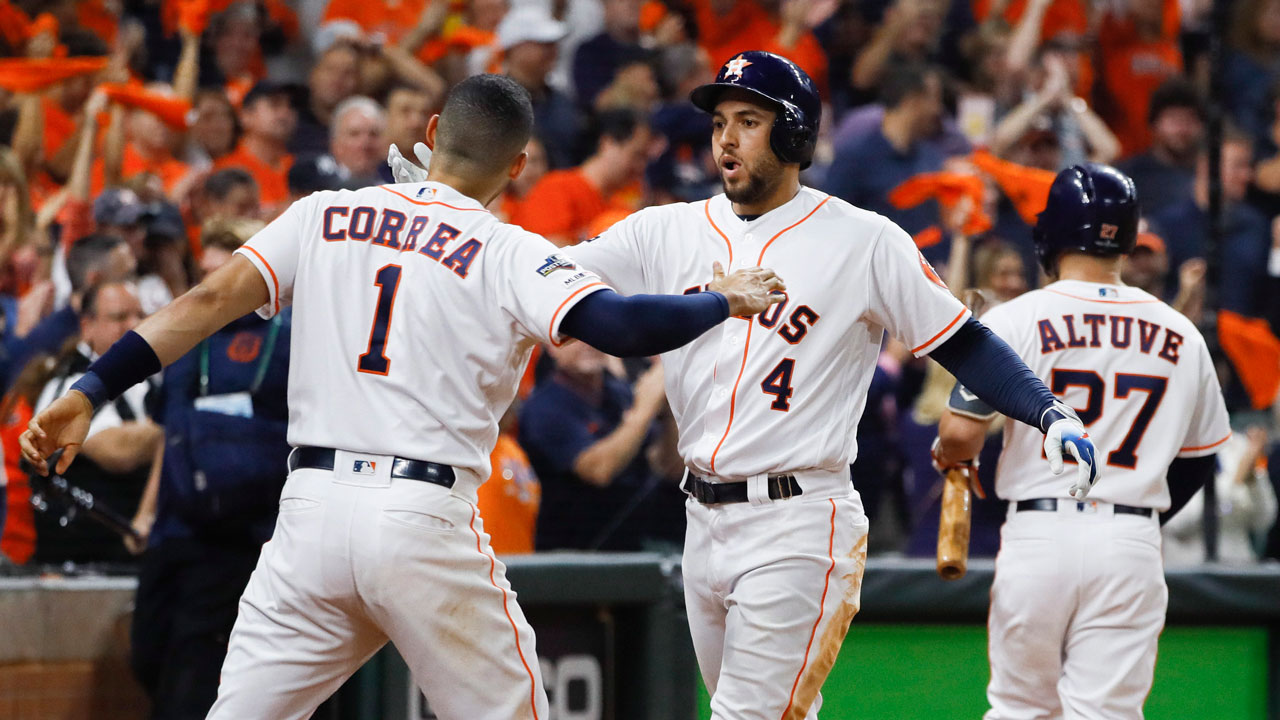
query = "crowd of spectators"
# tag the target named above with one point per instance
(143, 140)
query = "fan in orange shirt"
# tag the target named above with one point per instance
(562, 206)
(1139, 51)
(505, 206)
(728, 27)
(146, 145)
(509, 501)
(268, 121)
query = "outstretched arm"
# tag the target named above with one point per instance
(233, 291)
(641, 325)
(987, 367)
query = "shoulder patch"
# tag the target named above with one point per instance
(556, 262)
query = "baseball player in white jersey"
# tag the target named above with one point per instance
(767, 406)
(1079, 596)
(415, 311)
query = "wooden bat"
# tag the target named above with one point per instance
(953, 526)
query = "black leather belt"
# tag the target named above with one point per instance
(322, 459)
(1051, 505)
(709, 493)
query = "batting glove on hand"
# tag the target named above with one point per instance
(403, 169)
(968, 467)
(1067, 434)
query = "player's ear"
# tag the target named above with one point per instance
(432, 124)
(517, 165)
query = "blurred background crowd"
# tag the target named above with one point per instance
(142, 141)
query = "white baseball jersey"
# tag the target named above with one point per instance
(782, 391)
(1135, 370)
(415, 314)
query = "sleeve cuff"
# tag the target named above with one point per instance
(272, 306)
(943, 335)
(553, 333)
(1202, 450)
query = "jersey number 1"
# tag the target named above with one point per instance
(375, 360)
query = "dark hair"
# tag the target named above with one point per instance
(220, 184)
(485, 123)
(618, 124)
(89, 303)
(901, 81)
(1176, 92)
(83, 43)
(88, 254)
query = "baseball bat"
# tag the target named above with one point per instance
(953, 526)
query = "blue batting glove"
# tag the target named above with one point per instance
(1066, 434)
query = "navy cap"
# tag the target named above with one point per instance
(314, 173)
(118, 206)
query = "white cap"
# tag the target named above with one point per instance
(529, 23)
(334, 32)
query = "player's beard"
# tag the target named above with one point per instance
(762, 181)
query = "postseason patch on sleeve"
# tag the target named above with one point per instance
(556, 262)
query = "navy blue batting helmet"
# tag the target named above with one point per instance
(1092, 208)
(781, 84)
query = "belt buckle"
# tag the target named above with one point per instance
(784, 486)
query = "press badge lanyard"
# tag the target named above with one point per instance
(263, 361)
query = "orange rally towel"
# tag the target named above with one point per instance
(173, 111)
(1026, 187)
(928, 237)
(33, 74)
(1254, 351)
(14, 25)
(948, 188)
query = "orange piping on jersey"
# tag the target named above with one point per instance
(733, 399)
(432, 202)
(706, 206)
(831, 544)
(551, 332)
(783, 230)
(274, 281)
(746, 350)
(533, 685)
(1206, 447)
(1100, 300)
(940, 333)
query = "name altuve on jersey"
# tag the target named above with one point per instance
(1090, 330)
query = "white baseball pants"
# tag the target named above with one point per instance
(359, 559)
(1076, 609)
(771, 587)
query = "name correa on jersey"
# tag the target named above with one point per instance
(399, 232)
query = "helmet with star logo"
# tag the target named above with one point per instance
(782, 85)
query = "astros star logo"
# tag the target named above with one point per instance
(734, 67)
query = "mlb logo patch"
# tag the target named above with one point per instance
(554, 263)
(1105, 292)
(365, 467)
(426, 192)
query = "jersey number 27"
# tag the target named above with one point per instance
(1124, 384)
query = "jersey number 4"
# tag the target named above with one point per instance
(375, 360)
(778, 384)
(1125, 456)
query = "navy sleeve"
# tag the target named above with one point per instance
(1185, 477)
(990, 369)
(642, 325)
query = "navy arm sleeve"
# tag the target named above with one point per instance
(642, 325)
(1186, 476)
(990, 369)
